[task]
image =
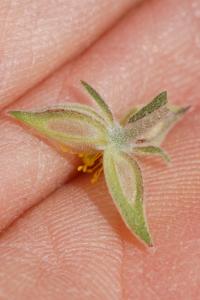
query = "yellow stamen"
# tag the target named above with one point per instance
(96, 166)
(90, 159)
(80, 168)
(91, 163)
(96, 175)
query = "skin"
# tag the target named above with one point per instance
(61, 237)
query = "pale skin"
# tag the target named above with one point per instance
(61, 236)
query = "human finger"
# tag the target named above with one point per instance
(116, 87)
(39, 36)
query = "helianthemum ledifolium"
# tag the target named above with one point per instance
(104, 144)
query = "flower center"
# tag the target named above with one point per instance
(117, 137)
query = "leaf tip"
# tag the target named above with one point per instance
(145, 237)
(163, 97)
(184, 109)
(84, 83)
(16, 114)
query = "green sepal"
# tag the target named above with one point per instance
(147, 117)
(130, 208)
(66, 127)
(100, 102)
(152, 150)
(154, 105)
(158, 132)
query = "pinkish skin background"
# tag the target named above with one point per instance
(61, 236)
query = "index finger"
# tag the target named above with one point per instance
(39, 36)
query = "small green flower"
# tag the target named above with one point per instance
(106, 145)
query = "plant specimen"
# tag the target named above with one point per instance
(110, 146)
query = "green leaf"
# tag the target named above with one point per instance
(124, 181)
(100, 102)
(151, 150)
(66, 127)
(154, 105)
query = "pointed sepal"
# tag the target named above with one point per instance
(99, 101)
(124, 181)
(159, 131)
(147, 117)
(151, 150)
(158, 102)
(66, 127)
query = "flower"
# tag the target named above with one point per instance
(104, 144)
